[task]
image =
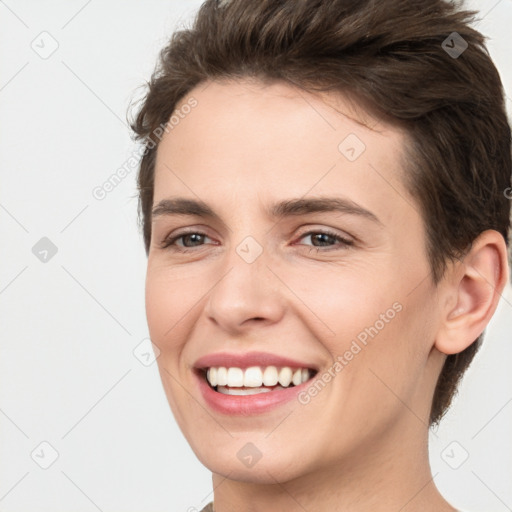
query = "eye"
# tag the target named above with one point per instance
(196, 239)
(193, 238)
(326, 239)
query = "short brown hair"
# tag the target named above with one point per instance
(395, 56)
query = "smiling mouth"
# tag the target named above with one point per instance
(255, 379)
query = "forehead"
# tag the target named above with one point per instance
(277, 140)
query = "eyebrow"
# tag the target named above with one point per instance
(282, 209)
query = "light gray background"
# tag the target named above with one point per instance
(69, 326)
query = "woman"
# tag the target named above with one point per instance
(323, 203)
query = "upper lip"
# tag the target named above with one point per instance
(247, 360)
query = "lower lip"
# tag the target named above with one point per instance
(246, 405)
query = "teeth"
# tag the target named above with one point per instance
(222, 376)
(239, 391)
(285, 376)
(255, 377)
(211, 375)
(270, 376)
(235, 377)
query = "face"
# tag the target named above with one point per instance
(305, 251)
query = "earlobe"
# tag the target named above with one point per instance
(474, 289)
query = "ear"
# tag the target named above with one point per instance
(471, 292)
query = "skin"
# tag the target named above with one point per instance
(361, 443)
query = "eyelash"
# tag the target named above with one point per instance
(168, 242)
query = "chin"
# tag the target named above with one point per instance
(264, 470)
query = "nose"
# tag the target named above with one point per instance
(247, 294)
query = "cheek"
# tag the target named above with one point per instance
(168, 299)
(368, 319)
(171, 288)
(158, 303)
(387, 374)
(342, 299)
(168, 302)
